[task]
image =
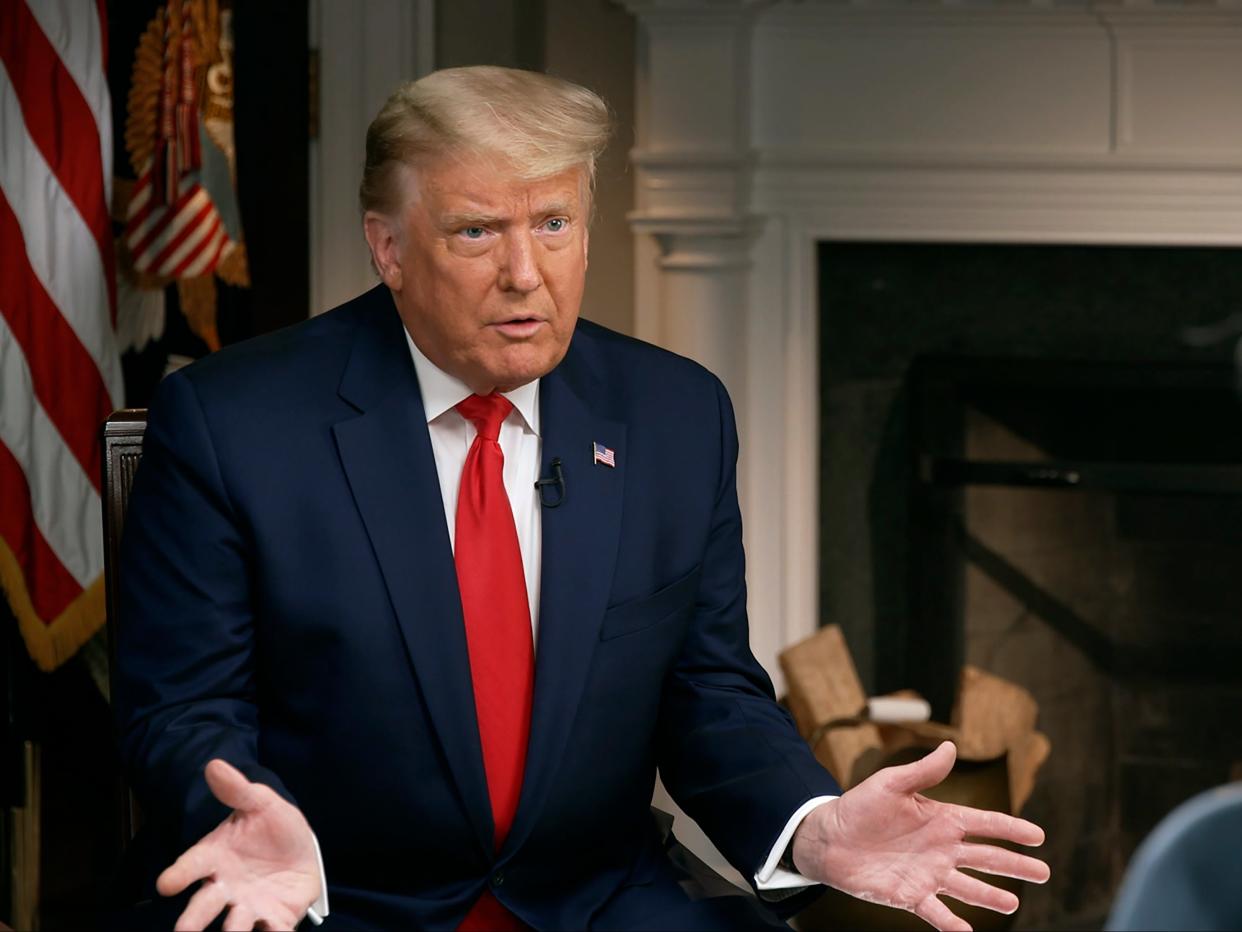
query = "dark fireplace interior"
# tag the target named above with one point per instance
(1032, 462)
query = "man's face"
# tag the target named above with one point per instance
(486, 269)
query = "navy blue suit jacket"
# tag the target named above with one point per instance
(289, 604)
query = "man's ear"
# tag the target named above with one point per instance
(381, 233)
(586, 248)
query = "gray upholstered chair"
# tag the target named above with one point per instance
(1187, 874)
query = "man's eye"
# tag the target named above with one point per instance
(555, 225)
(473, 232)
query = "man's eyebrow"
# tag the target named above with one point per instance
(554, 208)
(468, 219)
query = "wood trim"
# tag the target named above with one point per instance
(121, 437)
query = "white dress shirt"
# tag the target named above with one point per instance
(451, 437)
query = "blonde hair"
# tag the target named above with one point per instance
(537, 124)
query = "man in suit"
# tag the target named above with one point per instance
(417, 595)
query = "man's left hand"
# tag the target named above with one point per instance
(884, 842)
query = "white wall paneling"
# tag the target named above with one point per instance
(366, 48)
(766, 127)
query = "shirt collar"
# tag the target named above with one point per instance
(442, 392)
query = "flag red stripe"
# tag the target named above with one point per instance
(202, 215)
(65, 132)
(153, 204)
(48, 583)
(209, 243)
(220, 238)
(66, 380)
(157, 229)
(134, 220)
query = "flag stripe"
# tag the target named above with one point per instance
(185, 234)
(146, 215)
(49, 585)
(73, 28)
(207, 258)
(65, 134)
(65, 379)
(67, 262)
(63, 500)
(164, 222)
(195, 247)
(139, 199)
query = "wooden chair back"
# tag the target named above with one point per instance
(121, 438)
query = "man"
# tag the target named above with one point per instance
(430, 585)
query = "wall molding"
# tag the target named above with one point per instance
(929, 121)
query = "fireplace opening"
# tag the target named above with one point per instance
(1032, 462)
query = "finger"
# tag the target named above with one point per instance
(241, 918)
(1003, 862)
(984, 824)
(203, 907)
(230, 786)
(923, 773)
(932, 911)
(974, 891)
(281, 921)
(193, 865)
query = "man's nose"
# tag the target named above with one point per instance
(519, 269)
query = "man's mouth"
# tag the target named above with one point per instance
(519, 327)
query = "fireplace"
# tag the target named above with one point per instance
(1053, 488)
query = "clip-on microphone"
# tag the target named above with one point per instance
(558, 480)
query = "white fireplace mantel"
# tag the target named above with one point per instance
(765, 127)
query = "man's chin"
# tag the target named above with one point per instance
(518, 372)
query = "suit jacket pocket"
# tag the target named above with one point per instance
(637, 614)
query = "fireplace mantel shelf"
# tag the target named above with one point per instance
(1150, 478)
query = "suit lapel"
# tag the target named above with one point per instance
(579, 553)
(387, 457)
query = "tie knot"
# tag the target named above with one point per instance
(487, 412)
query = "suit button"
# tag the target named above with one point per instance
(498, 878)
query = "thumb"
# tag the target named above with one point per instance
(925, 772)
(230, 786)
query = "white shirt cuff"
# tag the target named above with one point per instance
(772, 877)
(317, 912)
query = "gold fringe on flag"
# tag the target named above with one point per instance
(52, 644)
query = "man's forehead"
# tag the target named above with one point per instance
(486, 186)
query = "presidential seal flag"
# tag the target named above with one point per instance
(60, 374)
(183, 223)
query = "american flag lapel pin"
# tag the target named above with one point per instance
(604, 455)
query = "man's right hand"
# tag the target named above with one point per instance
(259, 863)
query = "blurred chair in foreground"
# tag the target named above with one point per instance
(1187, 874)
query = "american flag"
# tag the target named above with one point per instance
(173, 228)
(60, 373)
(604, 455)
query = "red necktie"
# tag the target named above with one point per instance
(498, 636)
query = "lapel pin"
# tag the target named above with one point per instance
(604, 455)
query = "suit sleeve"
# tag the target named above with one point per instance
(185, 678)
(728, 753)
